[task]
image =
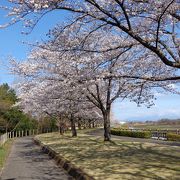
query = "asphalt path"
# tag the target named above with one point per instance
(27, 161)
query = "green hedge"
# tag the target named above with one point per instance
(136, 134)
(173, 137)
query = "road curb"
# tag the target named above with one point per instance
(72, 170)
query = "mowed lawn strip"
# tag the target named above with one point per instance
(4, 152)
(159, 127)
(116, 160)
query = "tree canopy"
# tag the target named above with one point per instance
(63, 79)
(151, 24)
(12, 117)
(108, 49)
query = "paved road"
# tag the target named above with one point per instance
(99, 132)
(26, 161)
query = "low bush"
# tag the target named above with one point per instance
(129, 133)
(173, 137)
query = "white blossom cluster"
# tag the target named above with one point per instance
(68, 76)
(151, 23)
(108, 49)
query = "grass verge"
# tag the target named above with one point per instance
(159, 127)
(116, 159)
(4, 151)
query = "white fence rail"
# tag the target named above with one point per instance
(15, 134)
(3, 138)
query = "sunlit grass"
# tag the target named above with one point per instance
(117, 160)
(4, 151)
(160, 127)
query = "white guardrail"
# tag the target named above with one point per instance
(17, 134)
(3, 138)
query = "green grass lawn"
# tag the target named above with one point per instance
(160, 127)
(117, 160)
(4, 151)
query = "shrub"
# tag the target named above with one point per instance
(173, 137)
(136, 134)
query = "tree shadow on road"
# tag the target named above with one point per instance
(38, 165)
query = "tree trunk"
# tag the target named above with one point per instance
(61, 128)
(107, 128)
(89, 124)
(73, 127)
(60, 124)
(106, 114)
(93, 125)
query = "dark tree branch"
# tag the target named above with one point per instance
(125, 13)
(159, 22)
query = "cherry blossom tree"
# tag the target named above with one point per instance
(152, 24)
(99, 74)
(42, 95)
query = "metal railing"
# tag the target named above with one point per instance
(3, 138)
(21, 133)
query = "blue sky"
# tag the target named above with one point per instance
(166, 105)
